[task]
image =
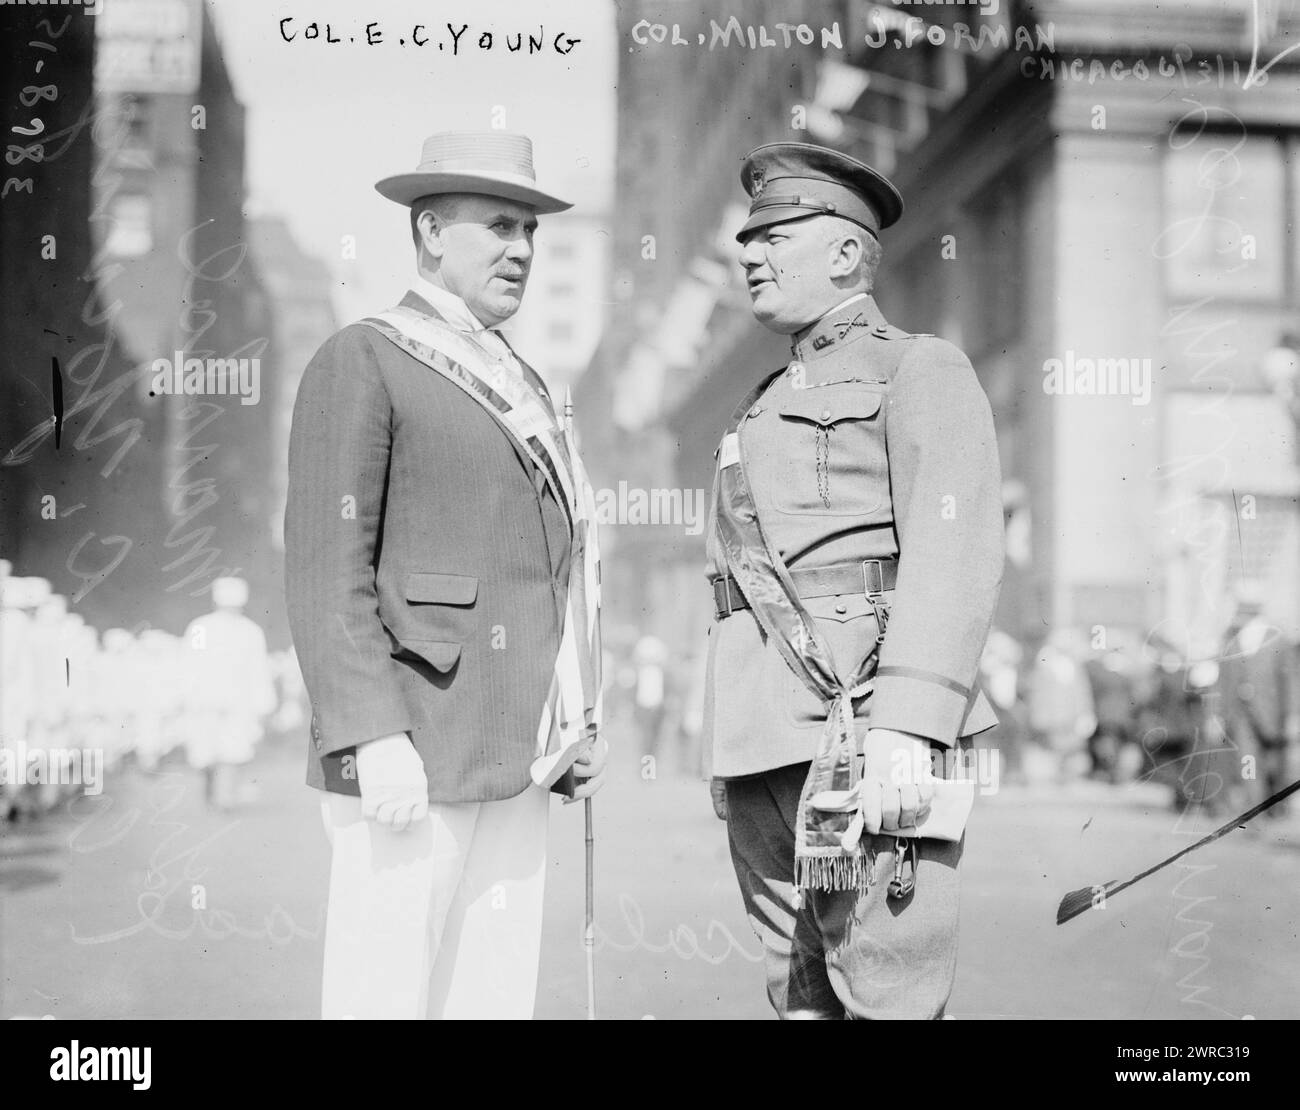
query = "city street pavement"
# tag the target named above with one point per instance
(139, 903)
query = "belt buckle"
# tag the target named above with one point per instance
(880, 577)
(726, 594)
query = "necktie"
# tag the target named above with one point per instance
(495, 344)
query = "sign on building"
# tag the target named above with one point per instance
(149, 46)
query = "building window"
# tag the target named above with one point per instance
(138, 110)
(560, 331)
(562, 289)
(1226, 228)
(130, 232)
(562, 251)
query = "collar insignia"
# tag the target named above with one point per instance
(845, 326)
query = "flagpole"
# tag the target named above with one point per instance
(589, 931)
(589, 922)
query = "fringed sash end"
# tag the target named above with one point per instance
(841, 871)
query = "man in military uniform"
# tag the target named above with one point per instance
(856, 554)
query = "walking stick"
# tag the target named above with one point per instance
(589, 932)
(1081, 900)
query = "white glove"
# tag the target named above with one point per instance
(394, 788)
(589, 769)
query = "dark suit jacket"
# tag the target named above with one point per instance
(426, 572)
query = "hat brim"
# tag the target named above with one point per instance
(783, 213)
(407, 188)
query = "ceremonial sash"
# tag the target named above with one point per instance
(572, 712)
(828, 855)
(830, 850)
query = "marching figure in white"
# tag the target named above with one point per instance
(230, 691)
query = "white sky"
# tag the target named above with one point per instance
(325, 122)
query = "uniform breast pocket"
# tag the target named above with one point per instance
(837, 460)
(440, 617)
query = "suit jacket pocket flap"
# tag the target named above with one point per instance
(444, 589)
(826, 406)
(441, 655)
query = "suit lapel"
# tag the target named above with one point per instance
(554, 523)
(414, 301)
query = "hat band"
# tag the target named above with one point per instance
(476, 165)
(788, 201)
(814, 207)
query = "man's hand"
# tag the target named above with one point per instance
(897, 781)
(394, 788)
(718, 792)
(589, 769)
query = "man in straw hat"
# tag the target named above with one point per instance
(856, 554)
(442, 584)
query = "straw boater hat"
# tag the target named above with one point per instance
(492, 163)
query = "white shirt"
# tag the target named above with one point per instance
(457, 313)
(454, 310)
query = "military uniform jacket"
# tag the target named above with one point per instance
(874, 443)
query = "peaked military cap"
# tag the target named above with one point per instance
(790, 181)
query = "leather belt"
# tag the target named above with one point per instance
(869, 577)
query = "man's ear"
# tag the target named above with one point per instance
(846, 255)
(430, 229)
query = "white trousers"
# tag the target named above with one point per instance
(441, 920)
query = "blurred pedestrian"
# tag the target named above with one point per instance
(18, 707)
(291, 712)
(1112, 679)
(52, 723)
(1061, 711)
(1260, 704)
(1000, 665)
(115, 683)
(650, 657)
(230, 691)
(161, 664)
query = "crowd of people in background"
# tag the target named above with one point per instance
(1111, 705)
(145, 698)
(1221, 733)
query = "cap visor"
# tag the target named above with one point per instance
(777, 214)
